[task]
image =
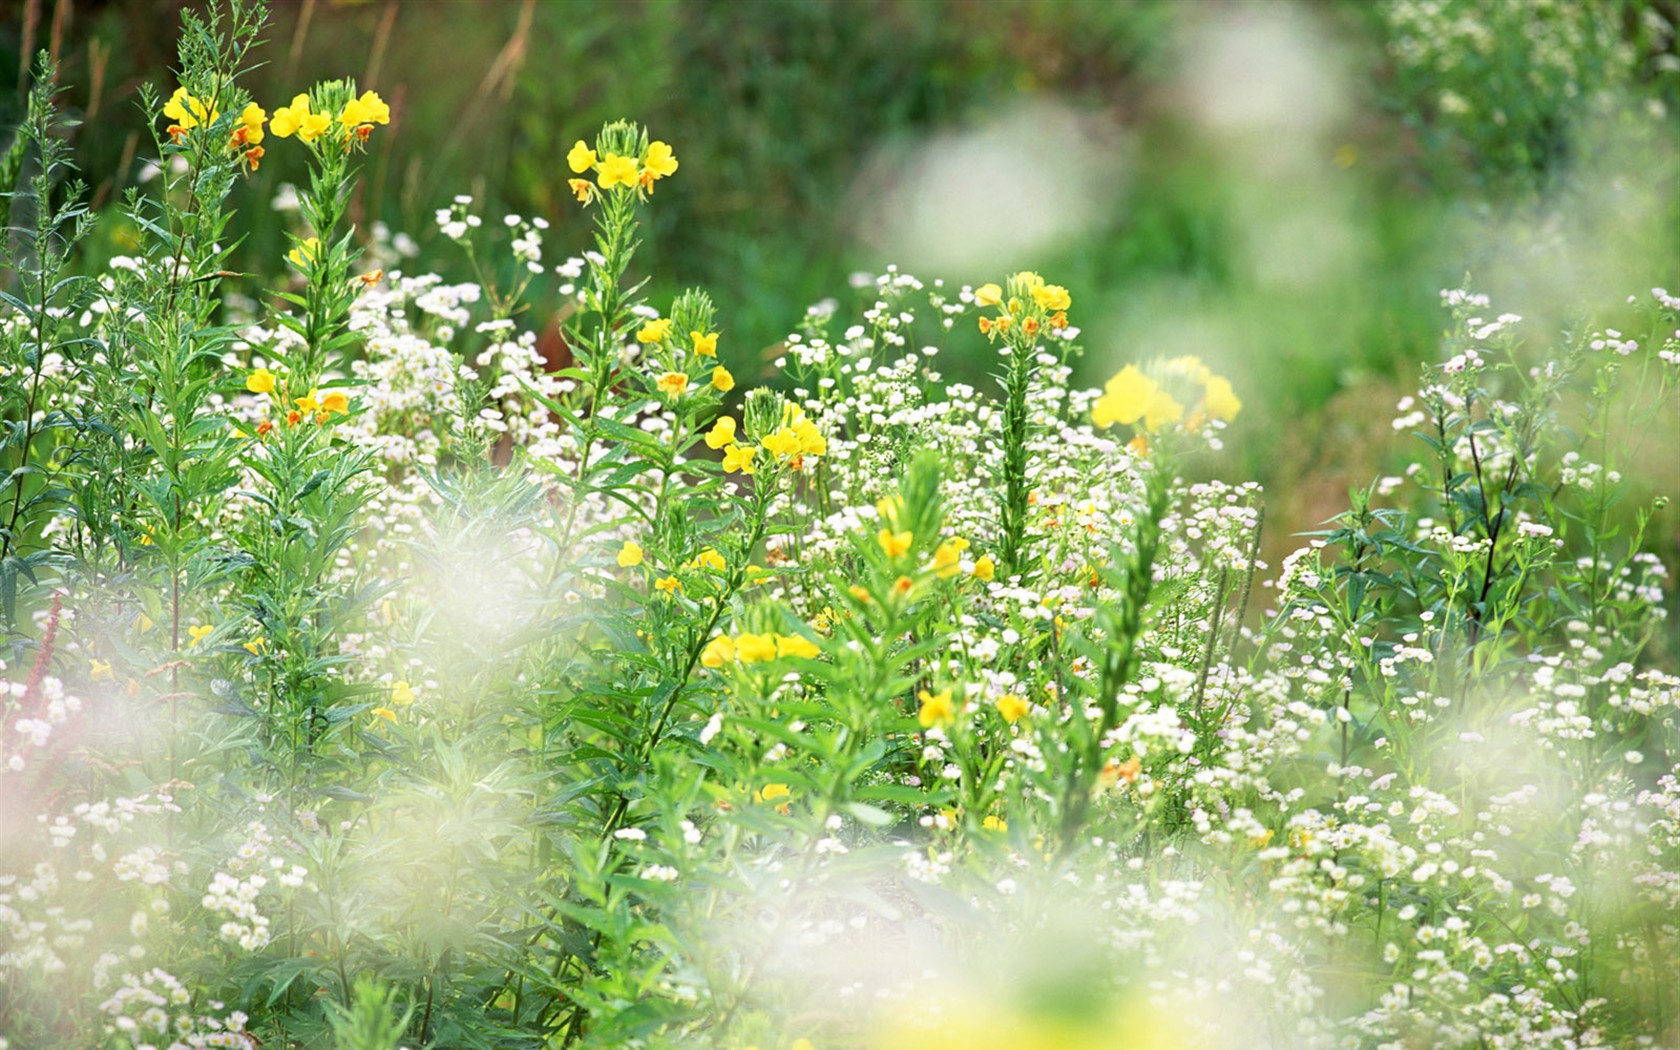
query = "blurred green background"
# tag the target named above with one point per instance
(1281, 187)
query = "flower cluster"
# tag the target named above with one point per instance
(621, 162)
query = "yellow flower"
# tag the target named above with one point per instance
(946, 560)
(144, 623)
(796, 645)
(705, 344)
(755, 648)
(1051, 297)
(739, 457)
(896, 544)
(307, 251)
(289, 119)
(618, 171)
(709, 559)
(668, 584)
(250, 129)
(673, 384)
(630, 555)
(260, 382)
(654, 331)
(660, 160)
(100, 670)
(1125, 398)
(1219, 400)
(802, 1044)
(985, 568)
(402, 694)
(718, 651)
(936, 709)
(811, 440)
(722, 380)
(1013, 708)
(994, 823)
(335, 401)
(988, 295)
(582, 189)
(784, 442)
(1161, 411)
(581, 158)
(199, 633)
(312, 403)
(187, 111)
(256, 646)
(722, 432)
(314, 126)
(369, 109)
(772, 791)
(386, 713)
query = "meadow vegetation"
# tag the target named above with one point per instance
(374, 679)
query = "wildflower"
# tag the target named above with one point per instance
(199, 633)
(784, 442)
(335, 401)
(755, 648)
(796, 645)
(858, 591)
(985, 568)
(1219, 400)
(705, 344)
(402, 694)
(1051, 297)
(722, 432)
(307, 251)
(988, 295)
(256, 646)
(366, 111)
(581, 158)
(254, 156)
(618, 171)
(1121, 772)
(896, 544)
(811, 440)
(946, 559)
(1125, 398)
(265, 427)
(142, 622)
(288, 120)
(1013, 708)
(994, 823)
(660, 163)
(386, 713)
(936, 708)
(709, 559)
(772, 791)
(667, 584)
(722, 380)
(630, 555)
(260, 382)
(903, 584)
(249, 131)
(739, 457)
(582, 189)
(654, 331)
(1161, 411)
(371, 278)
(718, 651)
(187, 112)
(100, 670)
(673, 384)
